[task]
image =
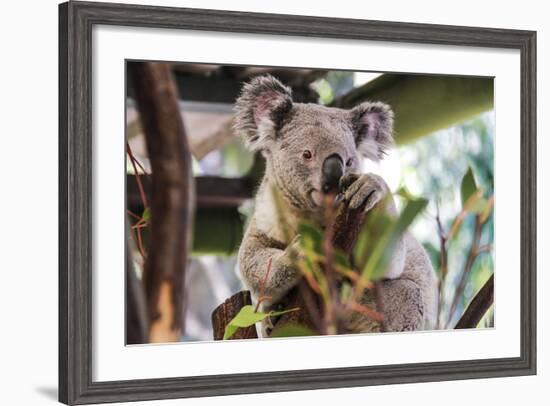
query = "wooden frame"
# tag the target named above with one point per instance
(76, 20)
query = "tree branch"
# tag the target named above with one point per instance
(478, 306)
(214, 141)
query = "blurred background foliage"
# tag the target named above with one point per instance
(431, 167)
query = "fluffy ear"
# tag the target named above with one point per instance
(372, 123)
(260, 110)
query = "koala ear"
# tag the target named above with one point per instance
(372, 123)
(260, 110)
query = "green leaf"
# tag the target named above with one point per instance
(434, 255)
(146, 215)
(377, 223)
(248, 317)
(404, 193)
(281, 312)
(361, 251)
(245, 318)
(479, 205)
(324, 90)
(345, 292)
(385, 232)
(310, 237)
(293, 330)
(486, 212)
(413, 208)
(468, 186)
(310, 264)
(341, 259)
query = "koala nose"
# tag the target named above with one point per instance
(332, 171)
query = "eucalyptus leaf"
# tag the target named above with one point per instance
(468, 186)
(248, 317)
(386, 236)
(345, 292)
(479, 206)
(435, 256)
(146, 214)
(310, 237)
(341, 259)
(293, 330)
(404, 193)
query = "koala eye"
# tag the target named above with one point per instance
(307, 154)
(349, 162)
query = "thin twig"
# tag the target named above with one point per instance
(484, 248)
(331, 305)
(140, 244)
(380, 306)
(311, 306)
(443, 248)
(364, 310)
(443, 259)
(139, 225)
(310, 279)
(472, 200)
(134, 161)
(472, 255)
(351, 275)
(133, 158)
(133, 215)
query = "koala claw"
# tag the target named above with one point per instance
(365, 192)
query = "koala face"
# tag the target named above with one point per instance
(308, 147)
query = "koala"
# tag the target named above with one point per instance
(311, 150)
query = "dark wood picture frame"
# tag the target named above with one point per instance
(76, 20)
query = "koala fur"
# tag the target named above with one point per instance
(270, 122)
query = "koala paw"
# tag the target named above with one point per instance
(292, 254)
(284, 273)
(363, 191)
(293, 249)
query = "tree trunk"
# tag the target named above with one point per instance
(172, 197)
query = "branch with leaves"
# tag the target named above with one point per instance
(478, 306)
(332, 289)
(141, 221)
(476, 205)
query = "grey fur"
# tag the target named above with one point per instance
(373, 126)
(264, 99)
(270, 122)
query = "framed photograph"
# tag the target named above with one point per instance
(261, 202)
